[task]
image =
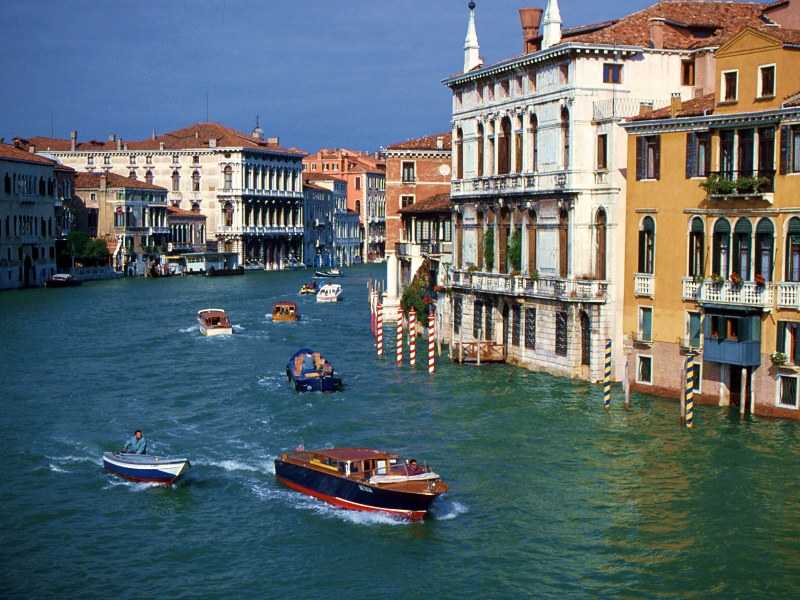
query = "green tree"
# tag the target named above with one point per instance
(76, 243)
(488, 249)
(515, 250)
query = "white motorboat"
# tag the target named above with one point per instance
(214, 321)
(330, 292)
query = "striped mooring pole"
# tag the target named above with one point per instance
(689, 390)
(431, 340)
(412, 337)
(607, 377)
(379, 329)
(399, 359)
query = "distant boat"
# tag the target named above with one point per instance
(214, 321)
(144, 468)
(309, 288)
(361, 479)
(330, 292)
(329, 273)
(308, 371)
(285, 311)
(213, 272)
(62, 280)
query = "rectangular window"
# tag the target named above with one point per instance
(515, 325)
(698, 154)
(458, 306)
(645, 324)
(408, 169)
(504, 86)
(788, 341)
(602, 152)
(644, 369)
(406, 201)
(612, 73)
(648, 157)
(358, 183)
(687, 72)
(730, 86)
(477, 320)
(106, 160)
(530, 328)
(488, 334)
(90, 160)
(766, 81)
(790, 149)
(693, 329)
(563, 71)
(787, 391)
(561, 333)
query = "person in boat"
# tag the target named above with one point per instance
(413, 468)
(327, 369)
(136, 444)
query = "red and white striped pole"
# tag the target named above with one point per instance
(412, 337)
(431, 340)
(379, 330)
(399, 359)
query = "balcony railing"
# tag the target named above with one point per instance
(644, 284)
(736, 184)
(789, 295)
(746, 293)
(511, 183)
(577, 290)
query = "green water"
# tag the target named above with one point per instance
(551, 497)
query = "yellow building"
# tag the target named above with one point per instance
(713, 233)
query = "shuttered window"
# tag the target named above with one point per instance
(790, 149)
(561, 333)
(698, 154)
(648, 157)
(530, 328)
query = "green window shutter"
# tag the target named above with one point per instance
(786, 144)
(780, 346)
(657, 173)
(640, 158)
(691, 155)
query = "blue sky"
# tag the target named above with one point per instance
(355, 73)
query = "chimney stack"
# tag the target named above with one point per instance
(530, 19)
(119, 143)
(439, 142)
(274, 141)
(644, 108)
(212, 142)
(675, 104)
(112, 137)
(656, 26)
(73, 139)
(161, 145)
(32, 149)
(153, 135)
(103, 181)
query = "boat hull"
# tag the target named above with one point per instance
(314, 384)
(212, 331)
(145, 469)
(352, 495)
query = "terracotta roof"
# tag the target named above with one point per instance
(12, 153)
(174, 211)
(428, 142)
(317, 176)
(793, 99)
(84, 180)
(440, 203)
(690, 108)
(311, 186)
(194, 136)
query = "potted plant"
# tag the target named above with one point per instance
(778, 358)
(717, 279)
(699, 279)
(760, 281)
(736, 279)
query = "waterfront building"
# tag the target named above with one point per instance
(713, 237)
(187, 229)
(248, 186)
(318, 210)
(365, 175)
(131, 216)
(27, 218)
(539, 178)
(346, 228)
(416, 171)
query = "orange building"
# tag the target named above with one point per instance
(712, 254)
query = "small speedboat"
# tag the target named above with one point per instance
(330, 292)
(308, 371)
(309, 288)
(144, 468)
(214, 321)
(329, 273)
(62, 280)
(362, 479)
(285, 311)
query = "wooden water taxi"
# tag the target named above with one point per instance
(285, 311)
(362, 479)
(309, 288)
(214, 321)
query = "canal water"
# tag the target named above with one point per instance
(550, 496)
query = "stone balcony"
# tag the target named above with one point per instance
(644, 284)
(428, 248)
(553, 288)
(747, 293)
(259, 231)
(511, 183)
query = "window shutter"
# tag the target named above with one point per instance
(640, 162)
(691, 155)
(642, 248)
(786, 139)
(657, 173)
(781, 343)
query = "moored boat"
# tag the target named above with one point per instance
(329, 273)
(309, 288)
(330, 292)
(62, 280)
(214, 321)
(144, 468)
(362, 479)
(285, 311)
(308, 371)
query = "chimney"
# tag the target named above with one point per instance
(161, 145)
(32, 149)
(103, 181)
(212, 142)
(153, 135)
(656, 26)
(274, 141)
(124, 146)
(675, 104)
(530, 19)
(73, 139)
(197, 134)
(439, 143)
(644, 108)
(112, 137)
(119, 143)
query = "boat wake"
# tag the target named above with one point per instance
(238, 327)
(267, 466)
(71, 460)
(191, 329)
(444, 509)
(271, 382)
(134, 486)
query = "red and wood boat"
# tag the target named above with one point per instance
(362, 479)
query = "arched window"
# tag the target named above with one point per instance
(227, 174)
(176, 181)
(504, 149)
(228, 210)
(148, 177)
(534, 143)
(697, 248)
(647, 246)
(459, 148)
(565, 136)
(196, 181)
(600, 244)
(765, 244)
(722, 248)
(195, 207)
(479, 153)
(793, 250)
(518, 146)
(742, 244)
(132, 174)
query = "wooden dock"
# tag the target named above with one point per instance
(478, 352)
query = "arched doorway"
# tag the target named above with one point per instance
(28, 274)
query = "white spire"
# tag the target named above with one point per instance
(551, 25)
(472, 57)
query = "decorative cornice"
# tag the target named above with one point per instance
(702, 122)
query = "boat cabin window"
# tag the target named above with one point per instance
(381, 467)
(355, 467)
